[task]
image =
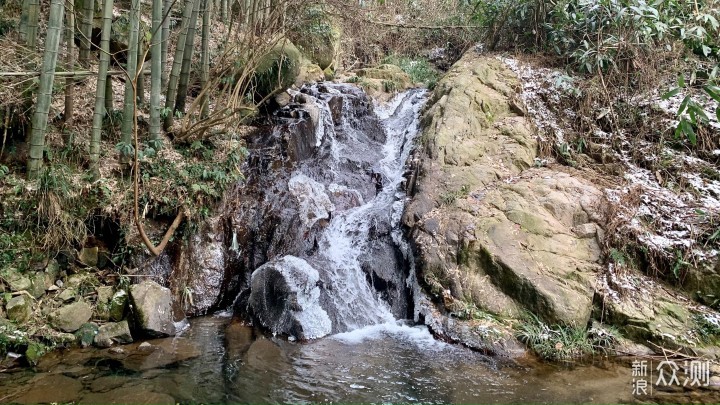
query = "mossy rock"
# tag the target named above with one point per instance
(387, 72)
(277, 70)
(34, 352)
(309, 72)
(317, 36)
(85, 336)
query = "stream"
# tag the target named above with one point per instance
(218, 360)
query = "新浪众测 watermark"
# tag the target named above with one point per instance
(647, 374)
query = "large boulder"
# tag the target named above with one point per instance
(278, 69)
(317, 36)
(70, 318)
(285, 298)
(489, 228)
(152, 308)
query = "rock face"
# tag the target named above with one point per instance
(489, 228)
(152, 308)
(71, 317)
(285, 297)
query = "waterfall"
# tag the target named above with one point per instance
(348, 196)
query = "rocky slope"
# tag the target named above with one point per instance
(496, 228)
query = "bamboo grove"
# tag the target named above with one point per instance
(185, 104)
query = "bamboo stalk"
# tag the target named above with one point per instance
(44, 95)
(156, 68)
(101, 84)
(70, 64)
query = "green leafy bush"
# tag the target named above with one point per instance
(419, 70)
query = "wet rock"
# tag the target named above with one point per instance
(161, 353)
(112, 333)
(118, 305)
(18, 309)
(152, 308)
(51, 388)
(137, 394)
(107, 383)
(285, 298)
(70, 317)
(202, 264)
(86, 334)
(312, 199)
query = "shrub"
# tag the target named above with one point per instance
(561, 342)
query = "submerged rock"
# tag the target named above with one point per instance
(152, 308)
(285, 298)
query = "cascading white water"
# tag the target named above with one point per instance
(346, 238)
(344, 244)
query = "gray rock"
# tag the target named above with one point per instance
(18, 309)
(111, 333)
(67, 294)
(152, 307)
(70, 317)
(15, 280)
(285, 297)
(37, 285)
(509, 246)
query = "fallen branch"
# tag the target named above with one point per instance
(427, 27)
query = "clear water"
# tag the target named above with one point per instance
(220, 361)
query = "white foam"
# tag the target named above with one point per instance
(418, 335)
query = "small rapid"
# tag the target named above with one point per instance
(349, 198)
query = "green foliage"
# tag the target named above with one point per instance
(562, 342)
(198, 182)
(708, 327)
(34, 351)
(691, 112)
(419, 70)
(3, 171)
